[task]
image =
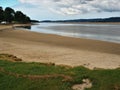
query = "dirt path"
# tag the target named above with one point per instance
(36, 77)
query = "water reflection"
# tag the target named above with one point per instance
(25, 27)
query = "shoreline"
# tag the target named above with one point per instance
(26, 27)
(38, 47)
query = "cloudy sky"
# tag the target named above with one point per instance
(65, 9)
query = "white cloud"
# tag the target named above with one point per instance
(72, 7)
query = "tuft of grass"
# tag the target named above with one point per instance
(9, 57)
(102, 79)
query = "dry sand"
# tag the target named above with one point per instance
(37, 47)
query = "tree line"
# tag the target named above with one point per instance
(9, 15)
(110, 19)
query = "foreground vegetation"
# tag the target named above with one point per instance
(38, 76)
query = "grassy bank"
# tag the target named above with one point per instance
(37, 76)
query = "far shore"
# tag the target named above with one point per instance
(45, 48)
(116, 23)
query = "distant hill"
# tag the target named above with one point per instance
(111, 19)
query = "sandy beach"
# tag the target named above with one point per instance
(38, 47)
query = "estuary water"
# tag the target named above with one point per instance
(103, 32)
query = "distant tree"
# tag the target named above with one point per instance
(20, 17)
(26, 19)
(1, 14)
(9, 14)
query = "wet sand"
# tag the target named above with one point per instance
(38, 47)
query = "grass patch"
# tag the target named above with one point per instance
(102, 79)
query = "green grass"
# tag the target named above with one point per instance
(101, 79)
